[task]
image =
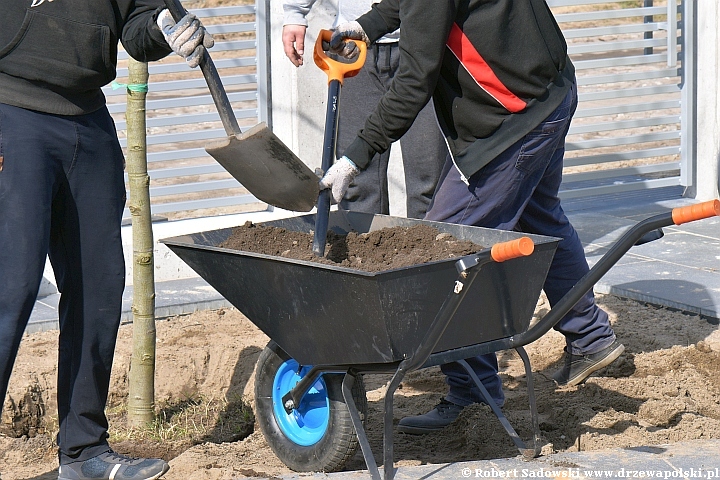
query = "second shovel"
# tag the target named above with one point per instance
(336, 72)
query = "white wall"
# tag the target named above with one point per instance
(300, 95)
(708, 104)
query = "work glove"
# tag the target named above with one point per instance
(338, 178)
(188, 38)
(339, 43)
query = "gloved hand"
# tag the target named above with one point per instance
(187, 37)
(348, 30)
(338, 178)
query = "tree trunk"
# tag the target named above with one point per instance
(141, 402)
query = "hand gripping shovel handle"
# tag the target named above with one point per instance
(222, 103)
(336, 72)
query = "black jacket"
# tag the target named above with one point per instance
(55, 55)
(494, 68)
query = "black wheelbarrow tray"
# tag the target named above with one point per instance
(330, 325)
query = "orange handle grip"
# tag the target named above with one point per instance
(521, 247)
(696, 212)
(337, 70)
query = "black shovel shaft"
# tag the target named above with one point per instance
(328, 158)
(222, 103)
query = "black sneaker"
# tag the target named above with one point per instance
(435, 420)
(578, 367)
(112, 466)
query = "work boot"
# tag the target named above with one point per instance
(578, 367)
(435, 420)
(112, 466)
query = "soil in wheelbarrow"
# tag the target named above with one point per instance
(375, 251)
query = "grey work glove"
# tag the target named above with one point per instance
(188, 38)
(343, 32)
(338, 178)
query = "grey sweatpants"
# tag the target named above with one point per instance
(423, 146)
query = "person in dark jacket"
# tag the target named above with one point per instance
(423, 147)
(504, 91)
(62, 194)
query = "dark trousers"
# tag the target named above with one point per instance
(423, 146)
(62, 194)
(518, 190)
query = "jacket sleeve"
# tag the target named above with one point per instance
(422, 47)
(383, 18)
(141, 36)
(295, 11)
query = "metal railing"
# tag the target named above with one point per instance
(626, 134)
(631, 130)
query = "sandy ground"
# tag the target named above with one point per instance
(663, 389)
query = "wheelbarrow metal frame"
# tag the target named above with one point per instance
(469, 268)
(425, 354)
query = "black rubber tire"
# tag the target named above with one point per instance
(339, 443)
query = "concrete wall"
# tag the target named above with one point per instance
(708, 105)
(300, 96)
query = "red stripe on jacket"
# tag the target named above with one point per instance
(481, 72)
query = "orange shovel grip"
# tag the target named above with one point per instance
(521, 247)
(696, 212)
(337, 70)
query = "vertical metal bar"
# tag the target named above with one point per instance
(262, 61)
(531, 400)
(672, 40)
(648, 19)
(688, 117)
(524, 450)
(347, 385)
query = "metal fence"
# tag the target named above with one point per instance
(181, 116)
(626, 134)
(632, 130)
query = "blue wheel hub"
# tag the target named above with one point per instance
(307, 424)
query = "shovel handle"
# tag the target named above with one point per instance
(696, 212)
(520, 247)
(334, 69)
(222, 103)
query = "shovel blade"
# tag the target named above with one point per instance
(264, 165)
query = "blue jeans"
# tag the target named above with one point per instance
(62, 194)
(518, 190)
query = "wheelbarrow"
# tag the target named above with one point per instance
(329, 325)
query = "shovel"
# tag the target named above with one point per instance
(257, 158)
(336, 72)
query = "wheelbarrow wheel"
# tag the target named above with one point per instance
(319, 435)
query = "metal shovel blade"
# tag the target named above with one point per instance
(264, 165)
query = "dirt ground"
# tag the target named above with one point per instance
(664, 388)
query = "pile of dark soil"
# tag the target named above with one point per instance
(376, 251)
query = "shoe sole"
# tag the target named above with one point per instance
(611, 357)
(155, 477)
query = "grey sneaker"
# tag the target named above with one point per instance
(578, 367)
(435, 420)
(112, 466)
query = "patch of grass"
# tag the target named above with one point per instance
(194, 419)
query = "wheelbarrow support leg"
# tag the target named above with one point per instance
(530, 384)
(347, 385)
(526, 452)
